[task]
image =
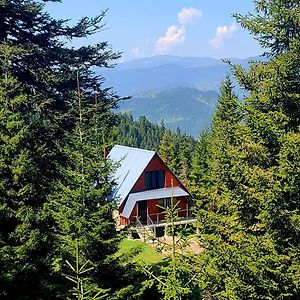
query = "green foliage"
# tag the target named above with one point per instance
(176, 277)
(199, 165)
(276, 25)
(168, 150)
(27, 168)
(41, 151)
(139, 134)
(248, 205)
(176, 150)
(79, 205)
(77, 277)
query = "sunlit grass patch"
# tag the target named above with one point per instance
(145, 252)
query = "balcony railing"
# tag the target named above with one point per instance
(158, 218)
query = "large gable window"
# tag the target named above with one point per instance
(154, 180)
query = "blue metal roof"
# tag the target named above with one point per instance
(151, 195)
(131, 163)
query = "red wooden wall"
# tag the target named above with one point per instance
(156, 164)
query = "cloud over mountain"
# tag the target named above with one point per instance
(175, 35)
(222, 33)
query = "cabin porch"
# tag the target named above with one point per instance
(146, 210)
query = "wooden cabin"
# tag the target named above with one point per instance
(144, 185)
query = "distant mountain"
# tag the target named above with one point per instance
(158, 60)
(183, 107)
(180, 90)
(166, 72)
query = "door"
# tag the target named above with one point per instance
(142, 211)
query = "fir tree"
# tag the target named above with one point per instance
(80, 204)
(186, 147)
(167, 151)
(26, 237)
(176, 278)
(37, 79)
(252, 230)
(199, 164)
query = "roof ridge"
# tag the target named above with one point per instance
(133, 148)
(164, 188)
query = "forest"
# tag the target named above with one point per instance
(58, 238)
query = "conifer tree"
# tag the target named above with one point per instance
(176, 278)
(37, 79)
(167, 151)
(25, 231)
(252, 233)
(199, 165)
(80, 205)
(185, 152)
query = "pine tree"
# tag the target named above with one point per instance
(252, 233)
(167, 151)
(186, 147)
(272, 115)
(199, 165)
(80, 205)
(37, 79)
(25, 230)
(176, 278)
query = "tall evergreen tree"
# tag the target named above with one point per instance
(167, 151)
(199, 165)
(80, 204)
(37, 79)
(185, 153)
(251, 238)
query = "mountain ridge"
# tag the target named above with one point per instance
(166, 87)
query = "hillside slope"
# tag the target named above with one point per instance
(187, 108)
(180, 90)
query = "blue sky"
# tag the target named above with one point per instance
(142, 28)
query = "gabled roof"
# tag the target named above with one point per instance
(131, 164)
(151, 195)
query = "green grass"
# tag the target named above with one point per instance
(147, 253)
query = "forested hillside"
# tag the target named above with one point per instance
(58, 236)
(181, 91)
(187, 108)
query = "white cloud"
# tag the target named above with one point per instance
(136, 52)
(174, 35)
(188, 15)
(222, 33)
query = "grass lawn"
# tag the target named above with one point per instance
(147, 253)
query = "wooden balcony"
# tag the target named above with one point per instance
(147, 229)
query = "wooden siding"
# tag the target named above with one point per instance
(155, 164)
(154, 211)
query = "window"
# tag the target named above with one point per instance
(154, 180)
(165, 203)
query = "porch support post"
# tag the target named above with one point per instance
(187, 209)
(147, 212)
